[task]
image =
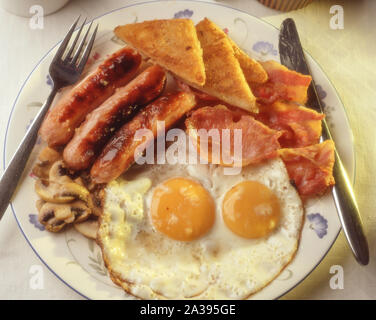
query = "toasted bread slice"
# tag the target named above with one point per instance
(224, 76)
(173, 44)
(253, 71)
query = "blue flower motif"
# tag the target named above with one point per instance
(265, 48)
(49, 81)
(322, 94)
(183, 14)
(318, 223)
(33, 219)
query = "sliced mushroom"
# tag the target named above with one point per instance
(47, 158)
(89, 228)
(58, 173)
(96, 194)
(55, 216)
(41, 170)
(51, 192)
(80, 210)
(60, 192)
(49, 155)
(89, 183)
(79, 181)
(95, 206)
(95, 202)
(39, 203)
(49, 213)
(62, 212)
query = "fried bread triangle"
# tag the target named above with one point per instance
(172, 43)
(224, 76)
(253, 70)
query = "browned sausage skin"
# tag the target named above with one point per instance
(119, 153)
(103, 122)
(61, 121)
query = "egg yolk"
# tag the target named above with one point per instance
(182, 209)
(251, 210)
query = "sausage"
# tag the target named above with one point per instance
(61, 121)
(103, 122)
(119, 153)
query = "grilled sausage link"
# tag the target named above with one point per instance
(61, 121)
(103, 122)
(119, 153)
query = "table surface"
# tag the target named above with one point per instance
(345, 55)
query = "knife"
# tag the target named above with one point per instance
(292, 56)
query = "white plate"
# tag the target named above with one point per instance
(76, 260)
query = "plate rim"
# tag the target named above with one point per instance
(166, 1)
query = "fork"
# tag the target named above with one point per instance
(65, 69)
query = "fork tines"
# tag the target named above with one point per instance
(78, 58)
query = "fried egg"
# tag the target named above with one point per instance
(193, 232)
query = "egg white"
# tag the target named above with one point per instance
(219, 265)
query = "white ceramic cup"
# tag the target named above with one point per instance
(23, 7)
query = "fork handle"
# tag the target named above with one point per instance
(13, 172)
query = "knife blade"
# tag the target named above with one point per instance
(292, 56)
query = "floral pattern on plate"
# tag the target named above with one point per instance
(264, 48)
(33, 219)
(183, 14)
(318, 223)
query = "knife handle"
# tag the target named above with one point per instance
(348, 212)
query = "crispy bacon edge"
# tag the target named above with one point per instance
(310, 168)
